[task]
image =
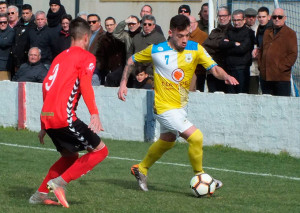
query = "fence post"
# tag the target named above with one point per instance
(150, 120)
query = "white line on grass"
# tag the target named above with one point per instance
(166, 163)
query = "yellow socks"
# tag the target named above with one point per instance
(195, 151)
(156, 150)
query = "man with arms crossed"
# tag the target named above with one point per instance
(174, 65)
(70, 77)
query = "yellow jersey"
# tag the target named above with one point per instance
(173, 72)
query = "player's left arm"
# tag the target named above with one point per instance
(219, 73)
(88, 95)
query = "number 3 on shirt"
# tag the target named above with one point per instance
(52, 78)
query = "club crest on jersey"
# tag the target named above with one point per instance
(188, 57)
(160, 49)
(178, 75)
(91, 66)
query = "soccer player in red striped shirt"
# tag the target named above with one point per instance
(69, 77)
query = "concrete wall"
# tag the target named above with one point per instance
(163, 11)
(8, 103)
(248, 122)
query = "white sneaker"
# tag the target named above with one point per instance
(141, 178)
(219, 183)
(42, 198)
(57, 186)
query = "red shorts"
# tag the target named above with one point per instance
(74, 138)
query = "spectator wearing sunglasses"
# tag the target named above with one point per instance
(147, 10)
(184, 10)
(13, 16)
(6, 41)
(97, 33)
(134, 27)
(145, 38)
(148, 35)
(277, 55)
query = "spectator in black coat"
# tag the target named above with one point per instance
(6, 41)
(239, 43)
(111, 54)
(41, 37)
(64, 40)
(54, 15)
(21, 45)
(33, 70)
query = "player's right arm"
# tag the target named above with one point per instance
(126, 73)
(143, 56)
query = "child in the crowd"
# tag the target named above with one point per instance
(142, 81)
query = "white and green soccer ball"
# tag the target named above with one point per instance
(202, 185)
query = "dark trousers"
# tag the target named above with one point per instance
(279, 88)
(254, 85)
(113, 79)
(242, 75)
(215, 84)
(200, 83)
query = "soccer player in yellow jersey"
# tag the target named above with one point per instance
(174, 65)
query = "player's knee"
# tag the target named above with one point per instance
(196, 138)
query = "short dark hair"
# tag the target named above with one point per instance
(93, 14)
(110, 18)
(264, 9)
(237, 12)
(66, 16)
(137, 19)
(148, 17)
(202, 8)
(179, 22)
(140, 69)
(78, 28)
(27, 7)
(4, 2)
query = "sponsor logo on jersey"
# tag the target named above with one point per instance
(178, 75)
(52, 77)
(206, 53)
(160, 49)
(188, 57)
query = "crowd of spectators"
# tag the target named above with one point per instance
(245, 43)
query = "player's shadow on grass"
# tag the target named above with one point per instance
(126, 184)
(133, 185)
(20, 192)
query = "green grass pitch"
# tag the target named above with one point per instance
(253, 182)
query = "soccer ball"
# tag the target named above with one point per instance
(202, 184)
